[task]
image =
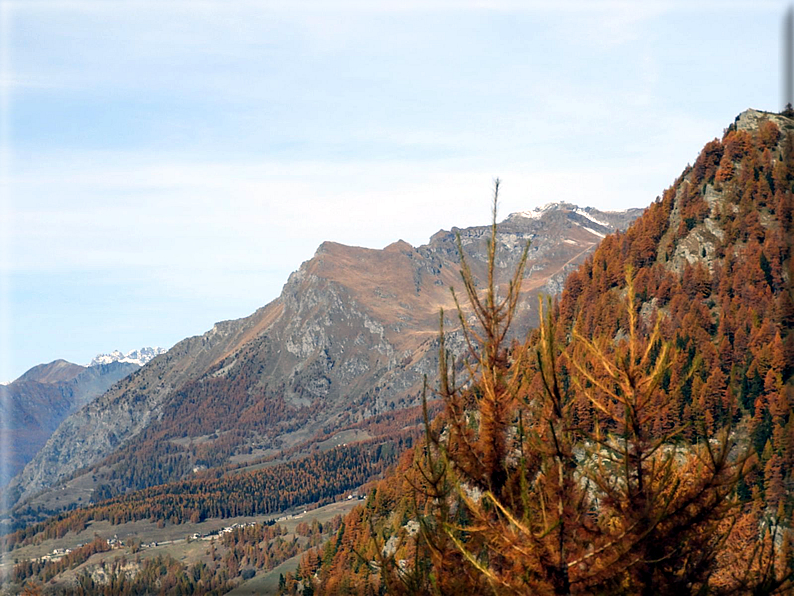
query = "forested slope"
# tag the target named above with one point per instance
(710, 264)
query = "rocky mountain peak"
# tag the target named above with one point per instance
(751, 119)
(540, 211)
(139, 357)
(399, 246)
(547, 210)
(54, 372)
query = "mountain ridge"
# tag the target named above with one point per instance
(36, 403)
(52, 372)
(341, 343)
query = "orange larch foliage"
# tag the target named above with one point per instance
(728, 319)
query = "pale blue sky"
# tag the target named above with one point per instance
(167, 164)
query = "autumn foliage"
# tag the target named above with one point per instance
(640, 442)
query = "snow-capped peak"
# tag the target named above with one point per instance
(139, 357)
(535, 213)
(586, 212)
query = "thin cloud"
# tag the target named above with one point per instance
(197, 152)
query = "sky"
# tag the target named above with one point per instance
(167, 165)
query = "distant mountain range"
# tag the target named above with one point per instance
(139, 357)
(352, 336)
(39, 400)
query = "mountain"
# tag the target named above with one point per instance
(139, 357)
(712, 264)
(58, 370)
(37, 402)
(351, 336)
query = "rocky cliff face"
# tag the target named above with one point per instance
(351, 336)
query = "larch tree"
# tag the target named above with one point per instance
(516, 493)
